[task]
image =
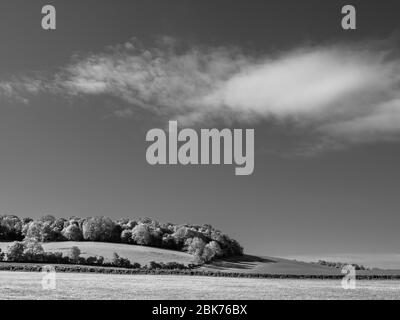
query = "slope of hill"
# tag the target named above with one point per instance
(139, 254)
(246, 264)
(269, 265)
(278, 266)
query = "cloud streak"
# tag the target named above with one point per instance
(348, 93)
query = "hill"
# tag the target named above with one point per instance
(277, 266)
(139, 254)
(269, 265)
(247, 264)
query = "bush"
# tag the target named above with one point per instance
(215, 248)
(97, 260)
(33, 251)
(74, 254)
(175, 265)
(81, 260)
(73, 233)
(154, 265)
(169, 242)
(11, 228)
(39, 231)
(15, 251)
(168, 266)
(126, 236)
(339, 265)
(91, 260)
(98, 229)
(120, 262)
(55, 257)
(141, 235)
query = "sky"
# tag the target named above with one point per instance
(76, 103)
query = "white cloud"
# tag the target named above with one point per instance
(17, 88)
(303, 82)
(348, 93)
(382, 122)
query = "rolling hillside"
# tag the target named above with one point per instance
(269, 265)
(245, 264)
(277, 266)
(139, 254)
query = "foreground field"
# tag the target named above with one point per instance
(20, 285)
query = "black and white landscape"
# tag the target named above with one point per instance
(199, 149)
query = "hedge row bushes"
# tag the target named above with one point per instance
(32, 252)
(340, 265)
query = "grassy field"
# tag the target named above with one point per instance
(278, 266)
(269, 265)
(73, 285)
(20, 285)
(251, 265)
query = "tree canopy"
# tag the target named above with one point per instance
(204, 242)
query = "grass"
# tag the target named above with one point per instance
(246, 266)
(246, 277)
(268, 265)
(139, 254)
(20, 285)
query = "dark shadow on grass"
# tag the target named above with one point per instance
(238, 262)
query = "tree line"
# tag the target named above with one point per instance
(203, 242)
(31, 251)
(340, 265)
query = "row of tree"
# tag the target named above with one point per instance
(204, 242)
(32, 251)
(340, 265)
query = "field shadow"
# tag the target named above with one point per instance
(239, 262)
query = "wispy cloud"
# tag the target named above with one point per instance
(348, 93)
(18, 88)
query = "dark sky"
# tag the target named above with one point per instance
(72, 156)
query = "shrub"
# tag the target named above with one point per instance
(98, 229)
(99, 260)
(207, 254)
(55, 257)
(74, 254)
(126, 236)
(39, 231)
(141, 235)
(175, 265)
(11, 228)
(196, 247)
(15, 251)
(120, 262)
(81, 260)
(169, 265)
(33, 251)
(168, 242)
(91, 260)
(73, 233)
(154, 265)
(216, 248)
